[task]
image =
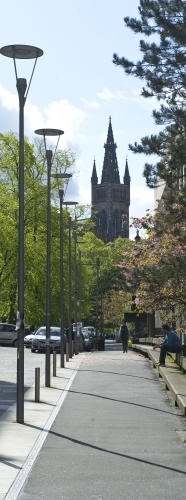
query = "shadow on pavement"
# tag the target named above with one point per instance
(119, 401)
(122, 455)
(8, 395)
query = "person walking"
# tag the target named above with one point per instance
(124, 335)
(171, 343)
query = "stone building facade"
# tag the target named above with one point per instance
(111, 198)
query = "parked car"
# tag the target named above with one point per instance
(90, 329)
(27, 331)
(91, 332)
(28, 340)
(8, 334)
(39, 339)
(112, 336)
(87, 343)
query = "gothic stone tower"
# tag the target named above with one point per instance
(111, 199)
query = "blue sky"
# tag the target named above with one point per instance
(76, 87)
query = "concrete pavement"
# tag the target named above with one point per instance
(115, 435)
(19, 444)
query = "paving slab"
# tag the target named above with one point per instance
(172, 375)
(115, 436)
(17, 440)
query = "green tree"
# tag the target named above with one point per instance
(155, 268)
(35, 227)
(110, 279)
(163, 67)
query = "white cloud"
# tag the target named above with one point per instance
(65, 116)
(83, 137)
(141, 194)
(91, 104)
(8, 100)
(85, 196)
(107, 95)
(59, 114)
(142, 199)
(134, 97)
(149, 103)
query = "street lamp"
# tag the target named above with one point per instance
(61, 194)
(75, 292)
(80, 298)
(45, 132)
(21, 52)
(97, 297)
(69, 203)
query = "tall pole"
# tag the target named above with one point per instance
(47, 357)
(21, 87)
(61, 194)
(21, 52)
(97, 295)
(69, 291)
(45, 132)
(75, 292)
(80, 285)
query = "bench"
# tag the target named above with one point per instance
(180, 359)
(172, 375)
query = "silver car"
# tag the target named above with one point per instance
(8, 334)
(39, 339)
(28, 340)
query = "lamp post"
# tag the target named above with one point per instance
(97, 296)
(45, 132)
(80, 287)
(75, 293)
(69, 203)
(61, 194)
(21, 52)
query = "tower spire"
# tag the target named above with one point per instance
(110, 172)
(94, 178)
(126, 178)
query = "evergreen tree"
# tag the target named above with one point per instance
(163, 67)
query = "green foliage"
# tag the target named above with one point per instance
(97, 270)
(163, 67)
(164, 60)
(35, 216)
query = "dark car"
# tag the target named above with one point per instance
(87, 341)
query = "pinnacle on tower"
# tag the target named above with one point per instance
(94, 178)
(110, 172)
(126, 178)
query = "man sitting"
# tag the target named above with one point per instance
(171, 343)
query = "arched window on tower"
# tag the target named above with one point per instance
(103, 220)
(98, 219)
(116, 222)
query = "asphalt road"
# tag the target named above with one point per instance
(115, 436)
(8, 373)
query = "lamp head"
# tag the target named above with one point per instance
(21, 51)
